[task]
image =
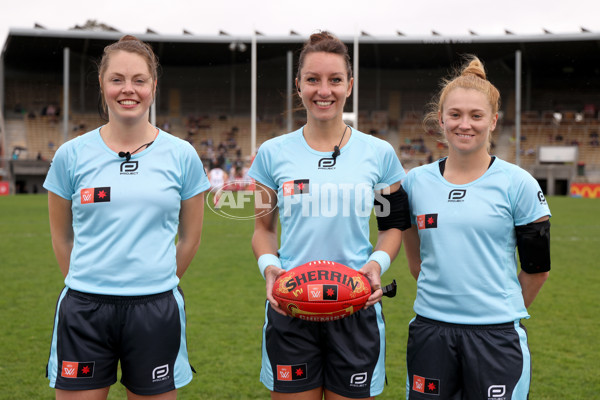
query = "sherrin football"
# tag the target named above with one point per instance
(321, 291)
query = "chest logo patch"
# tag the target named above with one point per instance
(427, 221)
(95, 195)
(298, 186)
(457, 195)
(129, 168)
(326, 163)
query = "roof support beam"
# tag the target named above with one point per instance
(66, 74)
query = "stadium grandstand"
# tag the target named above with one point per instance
(229, 94)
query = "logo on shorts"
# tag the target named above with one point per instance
(160, 373)
(426, 385)
(291, 372)
(322, 292)
(75, 369)
(427, 221)
(95, 195)
(359, 379)
(496, 392)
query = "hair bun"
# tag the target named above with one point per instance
(128, 37)
(320, 36)
(475, 67)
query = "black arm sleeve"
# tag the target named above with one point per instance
(392, 210)
(533, 243)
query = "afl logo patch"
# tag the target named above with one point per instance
(75, 369)
(95, 195)
(291, 372)
(298, 186)
(427, 221)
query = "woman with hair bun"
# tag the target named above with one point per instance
(472, 213)
(117, 198)
(321, 181)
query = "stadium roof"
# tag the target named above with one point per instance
(548, 53)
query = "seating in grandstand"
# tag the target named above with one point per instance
(570, 129)
(414, 145)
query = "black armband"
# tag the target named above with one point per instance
(390, 290)
(392, 210)
(533, 243)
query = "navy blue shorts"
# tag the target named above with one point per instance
(92, 333)
(467, 362)
(345, 356)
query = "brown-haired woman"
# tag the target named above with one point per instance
(321, 181)
(117, 197)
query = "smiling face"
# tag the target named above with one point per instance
(467, 121)
(323, 86)
(127, 87)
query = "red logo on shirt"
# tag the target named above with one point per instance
(298, 186)
(427, 221)
(95, 195)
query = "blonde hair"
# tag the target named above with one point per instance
(471, 75)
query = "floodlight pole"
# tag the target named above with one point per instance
(518, 107)
(355, 87)
(290, 79)
(66, 72)
(253, 97)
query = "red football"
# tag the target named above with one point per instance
(321, 291)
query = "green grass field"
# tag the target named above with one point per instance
(225, 296)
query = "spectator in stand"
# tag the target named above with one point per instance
(237, 177)
(52, 112)
(594, 139)
(222, 148)
(231, 142)
(217, 177)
